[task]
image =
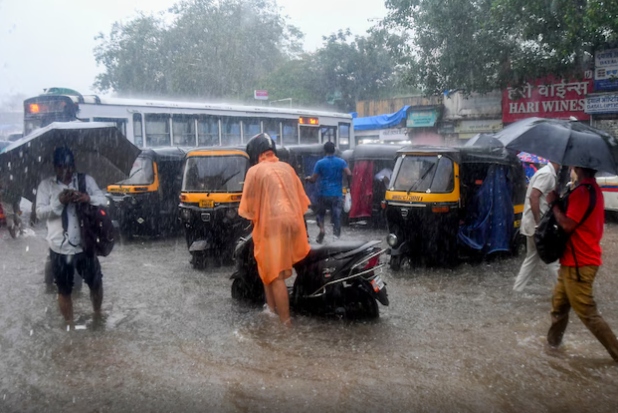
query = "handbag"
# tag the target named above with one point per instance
(549, 237)
(97, 230)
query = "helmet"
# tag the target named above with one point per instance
(259, 144)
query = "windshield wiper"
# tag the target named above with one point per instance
(225, 181)
(136, 171)
(421, 178)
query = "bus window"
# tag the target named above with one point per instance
(208, 131)
(138, 138)
(272, 127)
(344, 136)
(121, 123)
(184, 130)
(250, 128)
(309, 134)
(157, 130)
(290, 132)
(329, 134)
(230, 131)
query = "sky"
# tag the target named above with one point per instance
(49, 43)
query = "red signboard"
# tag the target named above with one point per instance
(260, 94)
(546, 98)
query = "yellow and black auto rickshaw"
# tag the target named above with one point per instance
(211, 191)
(146, 203)
(442, 202)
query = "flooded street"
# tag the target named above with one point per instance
(173, 340)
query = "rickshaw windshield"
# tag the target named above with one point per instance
(142, 173)
(214, 174)
(425, 174)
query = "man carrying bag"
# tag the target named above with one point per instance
(583, 223)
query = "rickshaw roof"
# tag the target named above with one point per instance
(466, 154)
(348, 155)
(163, 154)
(308, 149)
(217, 150)
(383, 152)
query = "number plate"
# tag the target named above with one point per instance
(207, 203)
(377, 283)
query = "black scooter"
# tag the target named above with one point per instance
(341, 279)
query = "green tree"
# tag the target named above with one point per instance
(210, 49)
(482, 45)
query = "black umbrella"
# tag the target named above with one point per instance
(100, 150)
(566, 142)
(484, 140)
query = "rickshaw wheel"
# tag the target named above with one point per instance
(519, 246)
(395, 263)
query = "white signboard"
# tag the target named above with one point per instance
(606, 69)
(260, 94)
(602, 104)
(400, 134)
(478, 126)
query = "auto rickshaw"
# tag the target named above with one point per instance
(442, 202)
(146, 203)
(211, 191)
(371, 173)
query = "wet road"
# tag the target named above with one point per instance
(173, 340)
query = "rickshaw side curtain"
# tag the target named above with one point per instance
(488, 226)
(362, 189)
(311, 189)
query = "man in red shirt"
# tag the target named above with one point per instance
(579, 264)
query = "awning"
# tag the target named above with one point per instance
(381, 121)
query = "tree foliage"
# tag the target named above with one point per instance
(209, 49)
(482, 45)
(341, 72)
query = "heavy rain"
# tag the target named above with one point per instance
(239, 205)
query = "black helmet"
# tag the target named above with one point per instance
(259, 144)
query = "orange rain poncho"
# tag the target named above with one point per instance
(274, 199)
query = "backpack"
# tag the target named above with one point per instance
(97, 230)
(549, 237)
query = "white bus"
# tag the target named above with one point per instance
(151, 123)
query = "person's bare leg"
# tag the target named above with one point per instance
(66, 308)
(96, 296)
(270, 298)
(282, 299)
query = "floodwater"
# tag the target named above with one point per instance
(173, 340)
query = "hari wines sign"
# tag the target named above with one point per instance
(546, 98)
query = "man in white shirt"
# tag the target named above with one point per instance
(56, 202)
(542, 183)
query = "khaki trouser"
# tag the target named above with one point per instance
(569, 292)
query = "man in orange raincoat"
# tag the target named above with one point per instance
(274, 200)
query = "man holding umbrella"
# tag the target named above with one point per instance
(580, 262)
(56, 202)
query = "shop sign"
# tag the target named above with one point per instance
(478, 126)
(446, 128)
(546, 98)
(606, 69)
(602, 104)
(260, 94)
(421, 119)
(398, 134)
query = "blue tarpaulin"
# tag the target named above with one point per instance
(488, 226)
(381, 121)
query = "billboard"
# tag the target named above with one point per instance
(606, 70)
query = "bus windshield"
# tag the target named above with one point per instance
(142, 173)
(214, 173)
(424, 174)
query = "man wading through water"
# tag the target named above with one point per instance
(329, 172)
(273, 198)
(57, 201)
(580, 262)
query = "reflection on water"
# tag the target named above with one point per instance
(173, 340)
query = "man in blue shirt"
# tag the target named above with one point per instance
(329, 172)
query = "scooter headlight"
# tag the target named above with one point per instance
(391, 240)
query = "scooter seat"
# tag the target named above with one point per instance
(319, 252)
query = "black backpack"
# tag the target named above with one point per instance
(549, 237)
(97, 230)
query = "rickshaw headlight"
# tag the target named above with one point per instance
(391, 240)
